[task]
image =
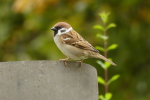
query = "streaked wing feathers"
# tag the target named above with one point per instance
(74, 39)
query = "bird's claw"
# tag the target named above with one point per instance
(80, 62)
(64, 60)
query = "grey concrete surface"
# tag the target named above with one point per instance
(47, 80)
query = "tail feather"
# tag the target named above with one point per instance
(99, 56)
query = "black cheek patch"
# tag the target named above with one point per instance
(63, 30)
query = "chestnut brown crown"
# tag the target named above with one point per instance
(62, 25)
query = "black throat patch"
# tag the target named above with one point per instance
(55, 32)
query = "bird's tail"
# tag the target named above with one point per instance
(99, 56)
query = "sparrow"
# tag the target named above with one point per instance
(73, 45)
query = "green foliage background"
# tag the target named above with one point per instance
(25, 35)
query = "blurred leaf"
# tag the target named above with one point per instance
(98, 27)
(115, 77)
(104, 16)
(99, 48)
(107, 64)
(101, 97)
(101, 80)
(111, 47)
(98, 35)
(102, 36)
(111, 25)
(108, 96)
(101, 64)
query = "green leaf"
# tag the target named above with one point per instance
(115, 77)
(104, 16)
(107, 64)
(108, 96)
(102, 36)
(101, 97)
(99, 48)
(111, 25)
(101, 80)
(102, 64)
(98, 35)
(111, 47)
(98, 27)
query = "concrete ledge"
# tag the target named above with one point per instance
(47, 80)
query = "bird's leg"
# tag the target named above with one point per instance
(64, 60)
(80, 62)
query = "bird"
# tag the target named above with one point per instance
(73, 45)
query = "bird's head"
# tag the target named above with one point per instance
(61, 28)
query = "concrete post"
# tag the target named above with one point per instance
(47, 80)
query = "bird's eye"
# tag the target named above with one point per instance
(63, 30)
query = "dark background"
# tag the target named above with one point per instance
(25, 35)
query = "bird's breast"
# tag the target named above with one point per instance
(69, 50)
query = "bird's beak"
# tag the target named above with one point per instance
(53, 28)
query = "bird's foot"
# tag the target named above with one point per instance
(64, 60)
(80, 62)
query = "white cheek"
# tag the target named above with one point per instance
(60, 33)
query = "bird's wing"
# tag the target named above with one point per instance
(74, 39)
